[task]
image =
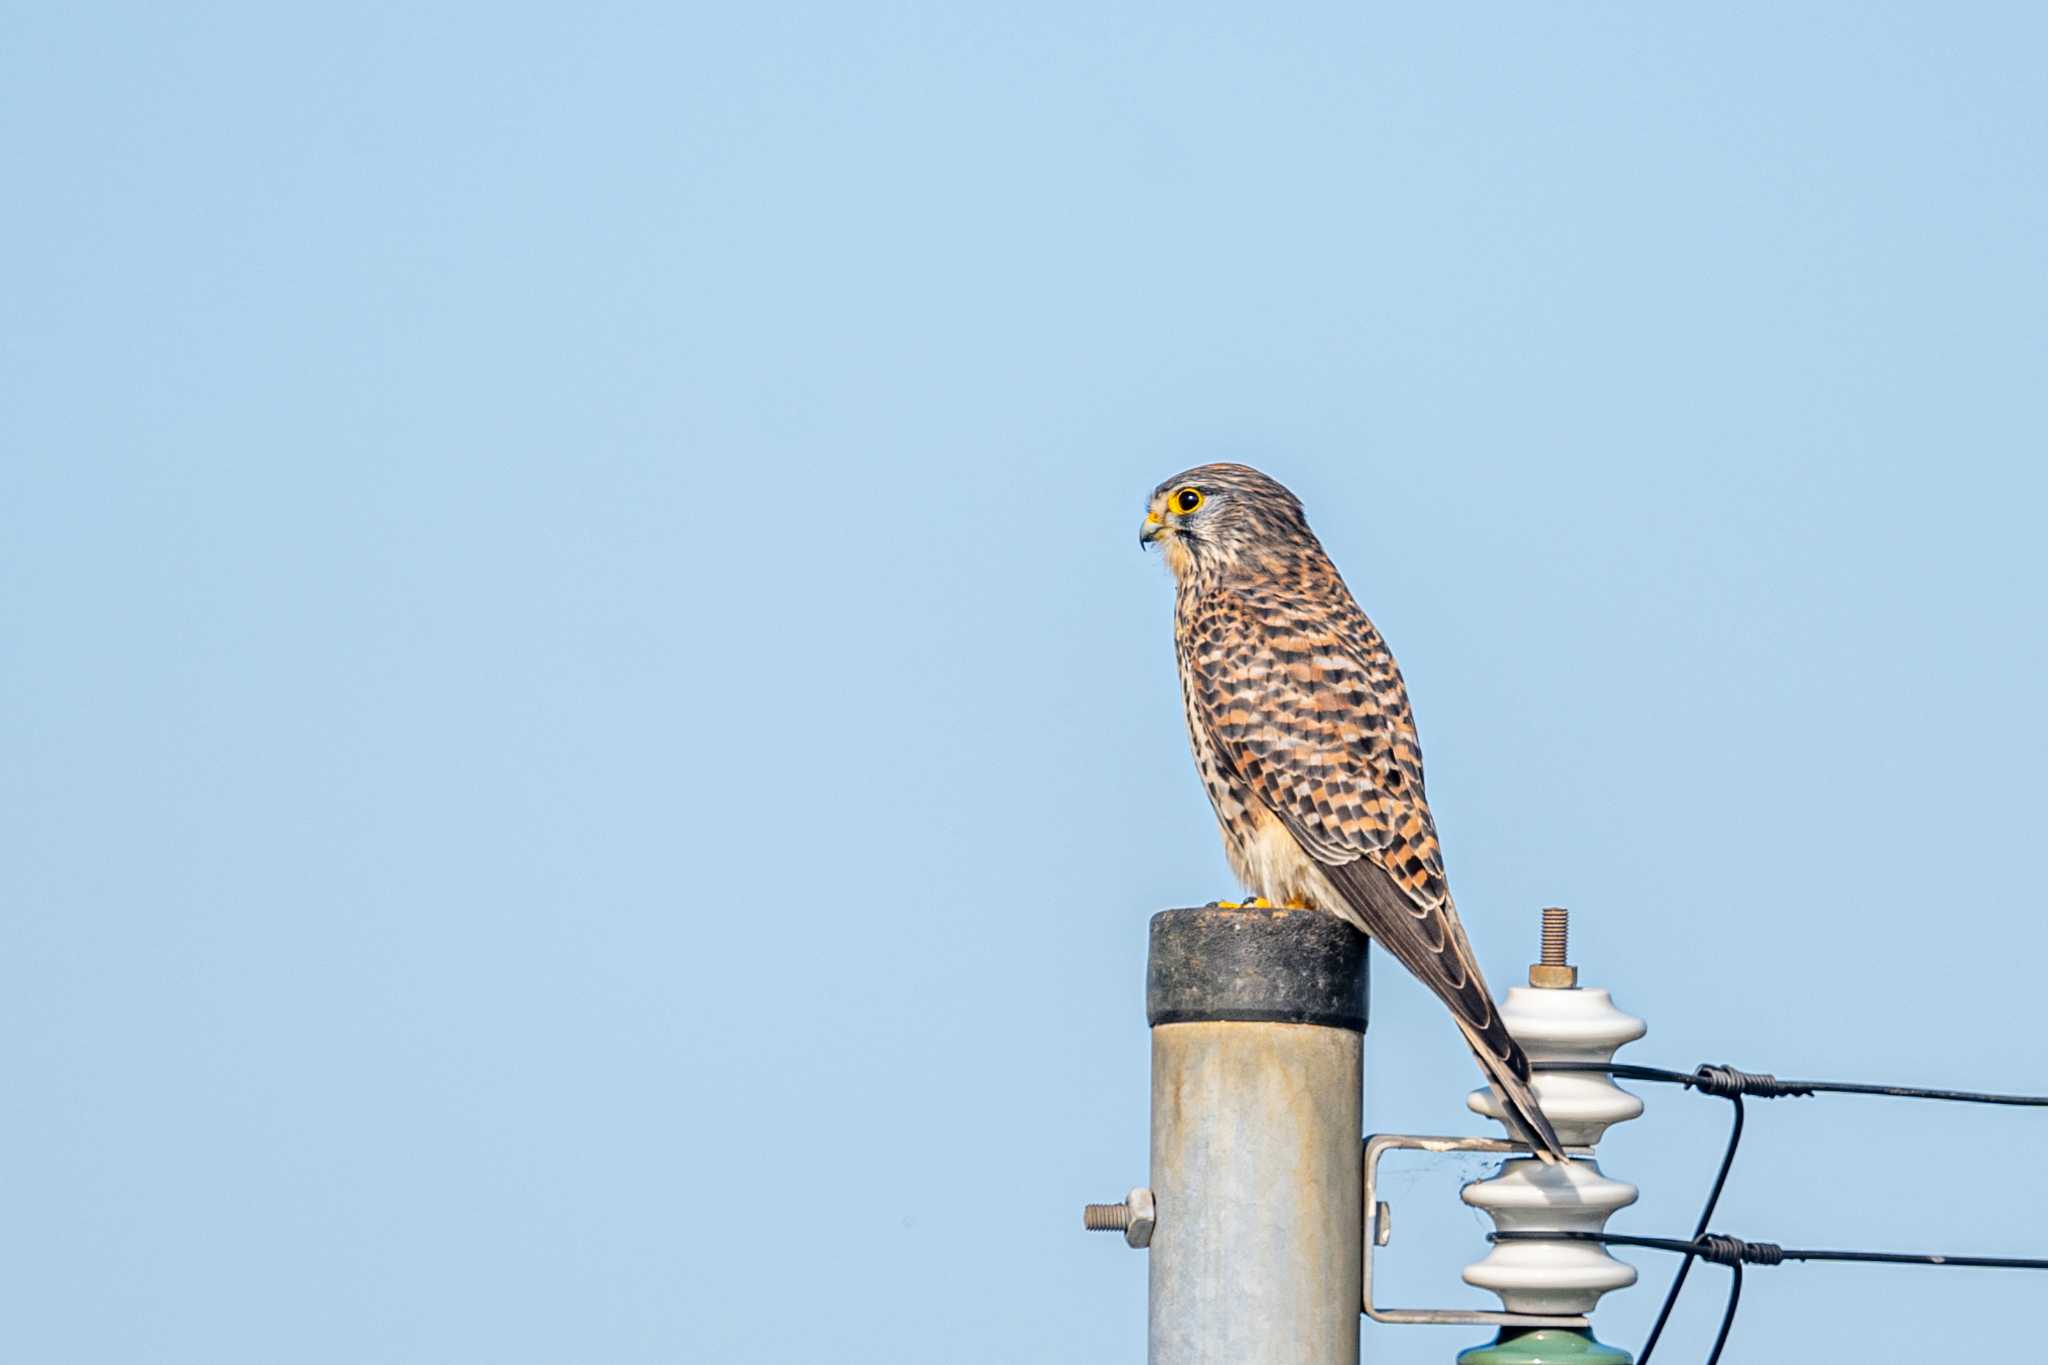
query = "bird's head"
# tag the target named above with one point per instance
(1209, 517)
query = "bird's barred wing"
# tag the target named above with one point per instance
(1307, 706)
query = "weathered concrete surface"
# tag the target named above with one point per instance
(1255, 1167)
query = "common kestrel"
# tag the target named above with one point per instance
(1304, 738)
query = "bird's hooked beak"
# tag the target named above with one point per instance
(1153, 529)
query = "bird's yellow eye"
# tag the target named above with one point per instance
(1185, 500)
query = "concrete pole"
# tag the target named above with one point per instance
(1258, 1020)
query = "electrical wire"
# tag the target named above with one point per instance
(1727, 1083)
(1700, 1230)
(1726, 1080)
(1731, 1084)
(1735, 1253)
(1725, 1250)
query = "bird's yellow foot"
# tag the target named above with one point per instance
(1260, 903)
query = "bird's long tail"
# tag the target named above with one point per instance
(1507, 1072)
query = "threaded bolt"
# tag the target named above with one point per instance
(1134, 1218)
(1556, 928)
(1555, 972)
(1106, 1217)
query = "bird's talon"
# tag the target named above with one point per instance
(1255, 903)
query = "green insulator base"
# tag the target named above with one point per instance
(1543, 1346)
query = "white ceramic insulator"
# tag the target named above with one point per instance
(1549, 1277)
(1569, 1026)
(1580, 1025)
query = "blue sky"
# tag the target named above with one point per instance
(588, 748)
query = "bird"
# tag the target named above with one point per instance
(1306, 743)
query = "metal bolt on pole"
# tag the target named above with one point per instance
(1134, 1218)
(1258, 1020)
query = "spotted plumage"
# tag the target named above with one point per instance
(1306, 744)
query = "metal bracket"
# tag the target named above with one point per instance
(1379, 1227)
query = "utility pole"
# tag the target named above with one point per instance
(1257, 1221)
(1253, 1218)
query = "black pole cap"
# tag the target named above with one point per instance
(1256, 966)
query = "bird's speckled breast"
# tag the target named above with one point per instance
(1267, 860)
